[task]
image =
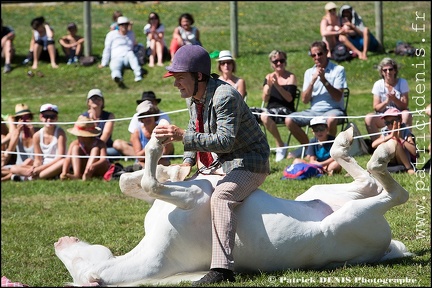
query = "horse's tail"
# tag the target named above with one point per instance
(395, 250)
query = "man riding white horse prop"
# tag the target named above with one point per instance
(325, 227)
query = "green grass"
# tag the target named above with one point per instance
(35, 214)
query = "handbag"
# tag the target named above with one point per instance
(87, 60)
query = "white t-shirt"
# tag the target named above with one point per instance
(381, 91)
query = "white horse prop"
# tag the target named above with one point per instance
(325, 227)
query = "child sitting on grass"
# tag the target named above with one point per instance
(87, 154)
(72, 44)
(406, 149)
(318, 151)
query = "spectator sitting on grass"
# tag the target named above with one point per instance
(318, 151)
(42, 44)
(119, 52)
(147, 114)
(125, 148)
(94, 163)
(49, 147)
(406, 148)
(21, 142)
(72, 44)
(357, 37)
(7, 52)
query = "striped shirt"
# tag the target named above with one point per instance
(230, 131)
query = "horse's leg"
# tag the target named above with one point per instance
(182, 195)
(336, 195)
(377, 166)
(358, 229)
(339, 152)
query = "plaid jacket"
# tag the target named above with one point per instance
(230, 131)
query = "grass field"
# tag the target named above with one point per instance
(35, 214)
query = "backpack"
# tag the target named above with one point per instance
(300, 171)
(404, 49)
(359, 146)
(114, 172)
(141, 53)
(341, 53)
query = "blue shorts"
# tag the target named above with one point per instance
(357, 41)
(302, 118)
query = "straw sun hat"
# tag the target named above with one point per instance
(84, 128)
(22, 109)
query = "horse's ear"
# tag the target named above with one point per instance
(183, 172)
(173, 173)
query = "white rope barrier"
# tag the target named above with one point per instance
(416, 112)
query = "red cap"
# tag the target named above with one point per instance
(168, 74)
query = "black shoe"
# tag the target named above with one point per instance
(16, 178)
(215, 276)
(119, 82)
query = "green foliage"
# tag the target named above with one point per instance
(35, 214)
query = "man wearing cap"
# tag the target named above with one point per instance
(119, 53)
(222, 123)
(124, 147)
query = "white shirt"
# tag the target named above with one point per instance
(321, 100)
(381, 90)
(117, 45)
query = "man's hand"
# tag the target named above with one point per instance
(168, 133)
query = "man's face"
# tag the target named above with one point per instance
(319, 56)
(185, 83)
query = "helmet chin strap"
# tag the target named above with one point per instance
(196, 84)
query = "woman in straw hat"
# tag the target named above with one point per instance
(86, 155)
(21, 141)
(227, 68)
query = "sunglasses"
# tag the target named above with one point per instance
(387, 70)
(153, 18)
(319, 128)
(24, 118)
(281, 61)
(319, 54)
(225, 62)
(49, 116)
(387, 123)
